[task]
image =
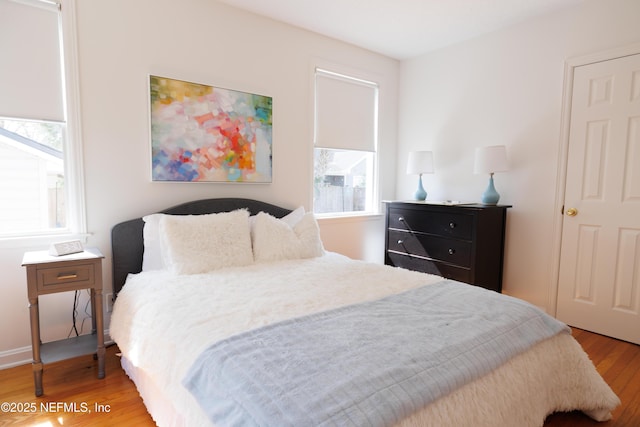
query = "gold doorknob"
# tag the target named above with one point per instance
(572, 212)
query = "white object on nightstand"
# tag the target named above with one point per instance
(65, 248)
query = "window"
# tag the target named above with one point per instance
(40, 180)
(31, 177)
(346, 119)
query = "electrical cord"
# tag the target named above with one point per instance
(74, 314)
(86, 311)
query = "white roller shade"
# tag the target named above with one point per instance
(30, 67)
(346, 111)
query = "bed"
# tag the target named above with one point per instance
(231, 312)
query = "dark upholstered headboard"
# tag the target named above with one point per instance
(126, 237)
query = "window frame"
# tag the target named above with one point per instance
(76, 225)
(361, 78)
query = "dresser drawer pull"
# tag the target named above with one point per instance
(67, 276)
(452, 251)
(401, 242)
(452, 225)
(406, 224)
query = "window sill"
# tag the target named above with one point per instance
(42, 240)
(348, 217)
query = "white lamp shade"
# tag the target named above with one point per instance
(420, 162)
(491, 159)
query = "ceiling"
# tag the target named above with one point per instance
(401, 29)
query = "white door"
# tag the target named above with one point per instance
(599, 280)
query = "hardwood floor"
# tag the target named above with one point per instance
(114, 401)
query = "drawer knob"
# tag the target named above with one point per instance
(452, 251)
(67, 276)
(401, 219)
(401, 242)
(452, 225)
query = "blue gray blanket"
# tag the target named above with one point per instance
(369, 364)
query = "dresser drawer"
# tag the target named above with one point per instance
(447, 224)
(428, 266)
(450, 250)
(59, 278)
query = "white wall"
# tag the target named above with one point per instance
(506, 88)
(121, 42)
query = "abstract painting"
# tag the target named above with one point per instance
(202, 133)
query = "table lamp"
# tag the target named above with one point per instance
(490, 160)
(420, 162)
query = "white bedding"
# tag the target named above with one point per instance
(162, 322)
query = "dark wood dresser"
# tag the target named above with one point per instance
(459, 242)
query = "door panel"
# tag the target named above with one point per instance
(599, 281)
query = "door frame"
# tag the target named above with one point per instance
(563, 156)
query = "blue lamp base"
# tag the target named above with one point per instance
(490, 195)
(420, 194)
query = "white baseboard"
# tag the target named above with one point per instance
(22, 356)
(15, 357)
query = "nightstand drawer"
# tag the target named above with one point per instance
(76, 276)
(448, 224)
(452, 251)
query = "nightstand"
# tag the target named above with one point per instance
(463, 242)
(48, 274)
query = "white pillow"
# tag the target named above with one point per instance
(291, 218)
(275, 240)
(152, 258)
(152, 255)
(193, 244)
